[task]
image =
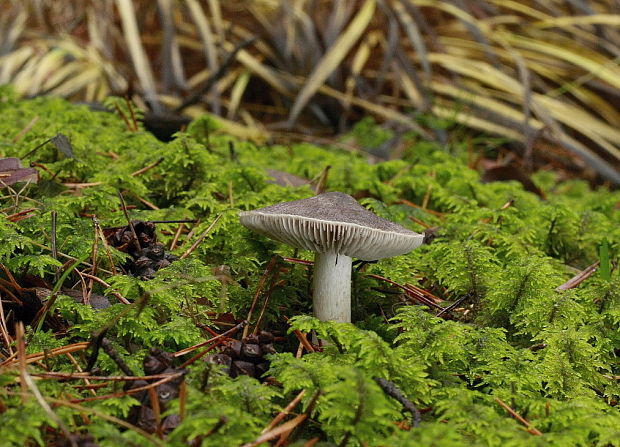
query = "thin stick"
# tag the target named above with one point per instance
(32, 358)
(285, 412)
(132, 390)
(27, 382)
(274, 433)
(25, 130)
(274, 280)
(64, 255)
(579, 277)
(87, 377)
(134, 121)
(211, 340)
(5, 332)
(21, 355)
(94, 257)
(133, 230)
(146, 168)
(53, 241)
(108, 252)
(142, 200)
(201, 238)
(103, 415)
(518, 417)
(79, 369)
(413, 205)
(259, 289)
(411, 292)
(303, 340)
(177, 235)
(117, 295)
(156, 409)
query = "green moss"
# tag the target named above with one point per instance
(550, 356)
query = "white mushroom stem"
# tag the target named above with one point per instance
(332, 287)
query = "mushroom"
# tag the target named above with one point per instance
(336, 228)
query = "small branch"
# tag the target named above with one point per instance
(131, 227)
(117, 295)
(579, 277)
(228, 333)
(393, 391)
(452, 306)
(146, 168)
(514, 414)
(27, 382)
(259, 288)
(155, 384)
(200, 239)
(32, 358)
(285, 412)
(274, 433)
(113, 354)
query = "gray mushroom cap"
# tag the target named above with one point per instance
(332, 222)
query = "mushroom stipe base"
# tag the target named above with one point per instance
(332, 287)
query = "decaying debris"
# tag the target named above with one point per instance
(144, 416)
(12, 172)
(245, 357)
(148, 254)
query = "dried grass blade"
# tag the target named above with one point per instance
(566, 21)
(239, 87)
(208, 41)
(333, 58)
(137, 53)
(415, 36)
(172, 70)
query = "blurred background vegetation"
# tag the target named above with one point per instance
(534, 83)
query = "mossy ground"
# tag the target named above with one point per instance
(550, 356)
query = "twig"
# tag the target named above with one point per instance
(259, 288)
(228, 333)
(274, 433)
(118, 296)
(218, 425)
(27, 382)
(451, 306)
(54, 216)
(201, 238)
(514, 414)
(156, 410)
(274, 280)
(103, 415)
(132, 114)
(285, 412)
(303, 340)
(32, 358)
(176, 237)
(131, 227)
(87, 376)
(25, 130)
(146, 168)
(579, 277)
(64, 255)
(113, 354)
(393, 391)
(155, 384)
(5, 332)
(426, 210)
(410, 291)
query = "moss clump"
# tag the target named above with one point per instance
(501, 252)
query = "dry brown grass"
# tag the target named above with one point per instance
(543, 73)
